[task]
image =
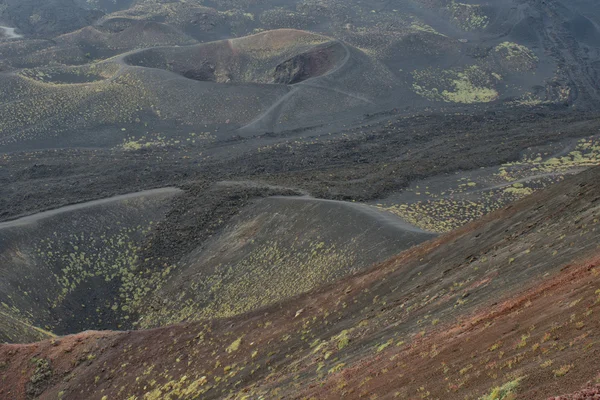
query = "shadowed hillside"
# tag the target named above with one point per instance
(276, 75)
(508, 302)
(274, 249)
(74, 269)
(102, 264)
(307, 199)
(270, 81)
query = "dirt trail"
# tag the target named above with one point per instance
(10, 32)
(30, 219)
(382, 217)
(271, 115)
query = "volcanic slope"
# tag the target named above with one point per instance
(313, 68)
(73, 268)
(270, 80)
(90, 44)
(442, 50)
(82, 88)
(47, 18)
(102, 264)
(507, 305)
(274, 249)
(444, 202)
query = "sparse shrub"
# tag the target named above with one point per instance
(504, 392)
(562, 371)
(523, 341)
(337, 368)
(235, 345)
(495, 346)
(466, 369)
(40, 378)
(382, 347)
(343, 340)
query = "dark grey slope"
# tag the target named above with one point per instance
(47, 17)
(277, 248)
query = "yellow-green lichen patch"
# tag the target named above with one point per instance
(39, 105)
(585, 154)
(86, 74)
(109, 257)
(250, 283)
(504, 392)
(468, 93)
(80, 269)
(153, 140)
(174, 13)
(469, 17)
(515, 57)
(440, 215)
(469, 86)
(235, 345)
(469, 201)
(16, 327)
(178, 389)
(419, 26)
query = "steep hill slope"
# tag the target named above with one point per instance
(47, 18)
(273, 249)
(263, 277)
(72, 269)
(509, 301)
(281, 67)
(127, 262)
(273, 80)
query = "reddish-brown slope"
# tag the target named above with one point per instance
(555, 321)
(514, 295)
(590, 392)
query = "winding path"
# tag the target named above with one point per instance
(30, 219)
(10, 32)
(382, 217)
(271, 115)
(268, 118)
